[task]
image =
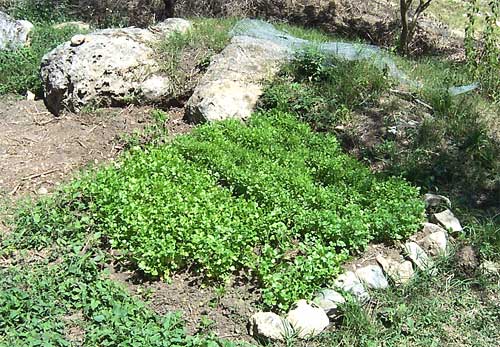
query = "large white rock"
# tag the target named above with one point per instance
(110, 67)
(350, 283)
(13, 33)
(400, 272)
(372, 276)
(269, 326)
(234, 80)
(307, 321)
(448, 220)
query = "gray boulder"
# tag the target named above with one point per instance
(399, 271)
(329, 300)
(350, 283)
(234, 80)
(434, 200)
(13, 33)
(418, 256)
(435, 243)
(110, 67)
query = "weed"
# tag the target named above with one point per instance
(39, 302)
(323, 91)
(484, 61)
(184, 54)
(44, 12)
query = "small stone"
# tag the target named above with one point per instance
(77, 40)
(490, 268)
(42, 191)
(435, 243)
(30, 96)
(372, 276)
(418, 255)
(448, 220)
(434, 200)
(399, 272)
(430, 228)
(329, 300)
(307, 321)
(350, 283)
(331, 295)
(269, 326)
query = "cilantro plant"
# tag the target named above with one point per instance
(270, 200)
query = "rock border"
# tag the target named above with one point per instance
(308, 319)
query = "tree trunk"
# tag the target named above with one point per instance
(403, 39)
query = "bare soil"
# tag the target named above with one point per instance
(39, 151)
(205, 309)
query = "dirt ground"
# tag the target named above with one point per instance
(39, 151)
(205, 309)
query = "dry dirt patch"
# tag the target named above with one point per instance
(39, 151)
(205, 309)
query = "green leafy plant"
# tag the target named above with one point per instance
(483, 49)
(323, 91)
(271, 199)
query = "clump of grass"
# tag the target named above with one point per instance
(185, 55)
(323, 91)
(455, 148)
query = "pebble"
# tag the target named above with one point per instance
(77, 40)
(490, 268)
(30, 96)
(42, 191)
